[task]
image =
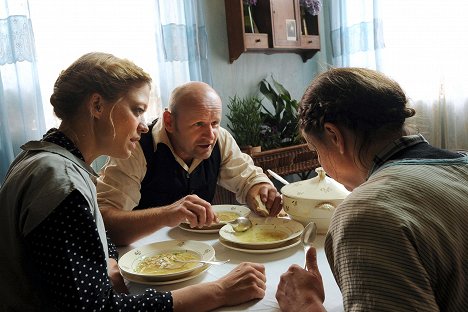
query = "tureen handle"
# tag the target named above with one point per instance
(321, 173)
(325, 206)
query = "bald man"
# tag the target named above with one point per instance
(172, 174)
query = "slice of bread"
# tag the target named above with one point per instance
(260, 208)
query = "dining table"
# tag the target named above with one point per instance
(276, 263)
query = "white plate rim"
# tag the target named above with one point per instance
(225, 231)
(126, 261)
(193, 274)
(260, 251)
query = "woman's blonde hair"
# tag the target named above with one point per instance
(95, 72)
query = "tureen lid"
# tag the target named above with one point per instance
(320, 187)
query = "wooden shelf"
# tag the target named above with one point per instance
(280, 25)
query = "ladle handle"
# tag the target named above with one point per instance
(277, 177)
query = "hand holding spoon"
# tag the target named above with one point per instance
(308, 237)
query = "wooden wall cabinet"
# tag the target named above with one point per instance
(281, 26)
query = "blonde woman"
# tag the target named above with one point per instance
(55, 255)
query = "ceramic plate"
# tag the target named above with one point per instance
(264, 233)
(223, 210)
(189, 276)
(129, 262)
(283, 246)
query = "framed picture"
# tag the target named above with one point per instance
(291, 30)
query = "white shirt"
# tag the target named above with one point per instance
(120, 179)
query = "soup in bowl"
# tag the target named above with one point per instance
(167, 262)
(264, 232)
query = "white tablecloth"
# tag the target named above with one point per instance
(275, 264)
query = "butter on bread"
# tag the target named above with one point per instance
(260, 208)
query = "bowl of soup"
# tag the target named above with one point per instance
(264, 233)
(165, 260)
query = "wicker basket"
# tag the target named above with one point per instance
(287, 160)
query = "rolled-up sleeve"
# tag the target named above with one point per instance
(238, 172)
(119, 182)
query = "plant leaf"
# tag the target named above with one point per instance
(281, 88)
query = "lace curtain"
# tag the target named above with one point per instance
(182, 44)
(21, 113)
(355, 28)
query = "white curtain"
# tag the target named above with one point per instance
(355, 28)
(426, 52)
(422, 45)
(21, 113)
(182, 44)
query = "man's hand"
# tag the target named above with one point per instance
(268, 195)
(192, 209)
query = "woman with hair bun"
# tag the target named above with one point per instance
(398, 241)
(55, 254)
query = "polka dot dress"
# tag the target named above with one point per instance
(69, 261)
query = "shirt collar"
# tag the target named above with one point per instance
(159, 135)
(393, 148)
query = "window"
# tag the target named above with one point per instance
(65, 30)
(425, 51)
(425, 39)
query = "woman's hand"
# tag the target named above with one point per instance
(115, 277)
(244, 283)
(302, 290)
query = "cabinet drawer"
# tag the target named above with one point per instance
(256, 41)
(310, 42)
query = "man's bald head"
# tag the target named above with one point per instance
(191, 95)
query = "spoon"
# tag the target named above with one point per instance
(202, 261)
(177, 264)
(241, 224)
(308, 237)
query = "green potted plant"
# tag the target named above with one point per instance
(280, 127)
(245, 120)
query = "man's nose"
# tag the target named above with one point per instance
(210, 131)
(142, 127)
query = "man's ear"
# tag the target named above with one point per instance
(335, 136)
(168, 121)
(96, 105)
